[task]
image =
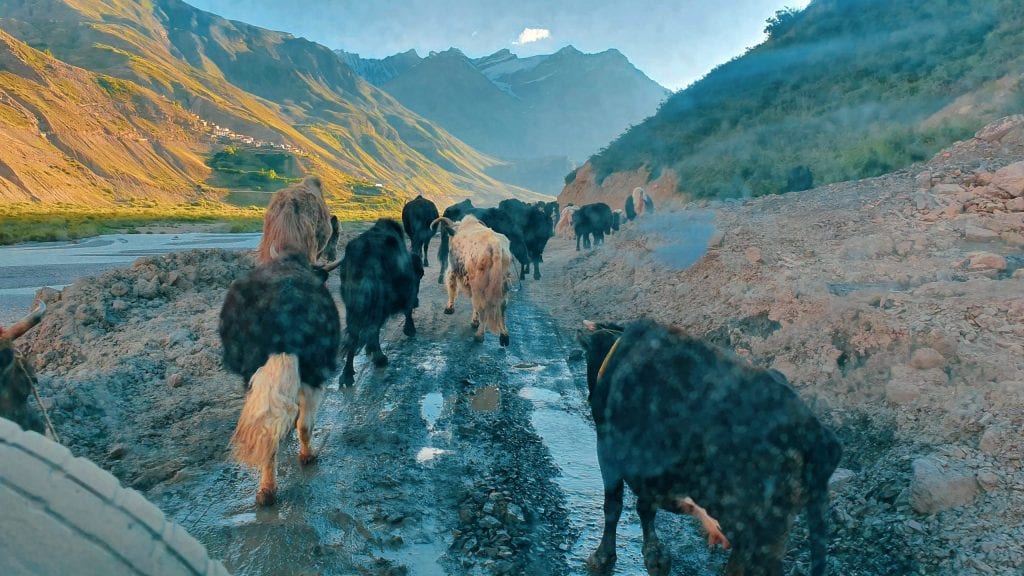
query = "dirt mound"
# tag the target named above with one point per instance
(894, 307)
(130, 364)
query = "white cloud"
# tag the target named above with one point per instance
(532, 35)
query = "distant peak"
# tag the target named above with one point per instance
(503, 53)
(570, 49)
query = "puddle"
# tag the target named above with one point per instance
(428, 453)
(485, 399)
(430, 409)
(540, 395)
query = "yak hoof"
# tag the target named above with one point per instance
(536, 275)
(440, 280)
(449, 310)
(266, 497)
(380, 361)
(347, 379)
(478, 337)
(503, 339)
(307, 459)
(600, 562)
(409, 329)
(474, 323)
(657, 559)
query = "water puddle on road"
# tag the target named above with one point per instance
(485, 399)
(430, 409)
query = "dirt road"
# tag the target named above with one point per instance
(457, 458)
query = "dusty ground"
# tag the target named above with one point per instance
(892, 304)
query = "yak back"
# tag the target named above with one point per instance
(379, 276)
(417, 214)
(668, 402)
(281, 307)
(16, 381)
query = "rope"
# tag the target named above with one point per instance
(39, 401)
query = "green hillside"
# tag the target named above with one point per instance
(844, 89)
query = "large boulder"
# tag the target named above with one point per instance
(1010, 179)
(937, 486)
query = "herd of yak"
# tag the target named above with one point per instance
(679, 420)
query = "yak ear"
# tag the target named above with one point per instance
(590, 326)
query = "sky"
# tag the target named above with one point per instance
(673, 42)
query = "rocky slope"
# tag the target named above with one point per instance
(564, 105)
(896, 306)
(265, 86)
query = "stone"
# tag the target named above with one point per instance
(936, 486)
(175, 379)
(986, 261)
(717, 239)
(994, 439)
(1010, 179)
(995, 131)
(118, 289)
(1018, 274)
(947, 189)
(147, 288)
(753, 255)
(840, 478)
(978, 234)
(908, 384)
(925, 358)
(988, 480)
(119, 305)
(1015, 205)
(1013, 238)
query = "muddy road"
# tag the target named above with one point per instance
(457, 458)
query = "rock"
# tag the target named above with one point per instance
(119, 305)
(924, 180)
(986, 261)
(988, 480)
(489, 522)
(1013, 238)
(925, 358)
(1010, 179)
(48, 295)
(941, 343)
(978, 234)
(118, 289)
(995, 131)
(1018, 274)
(907, 384)
(117, 452)
(1015, 205)
(840, 478)
(717, 240)
(935, 487)
(147, 288)
(753, 255)
(982, 178)
(947, 189)
(994, 439)
(175, 379)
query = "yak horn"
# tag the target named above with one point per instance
(442, 220)
(26, 323)
(331, 266)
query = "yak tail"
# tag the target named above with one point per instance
(496, 283)
(269, 411)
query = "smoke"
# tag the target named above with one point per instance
(686, 236)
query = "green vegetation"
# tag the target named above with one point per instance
(844, 89)
(27, 222)
(253, 169)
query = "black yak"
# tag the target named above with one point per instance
(678, 418)
(281, 332)
(379, 278)
(592, 219)
(417, 214)
(536, 229)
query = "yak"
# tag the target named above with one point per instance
(417, 214)
(298, 221)
(16, 375)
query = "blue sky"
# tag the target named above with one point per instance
(674, 43)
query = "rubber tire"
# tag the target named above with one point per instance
(64, 515)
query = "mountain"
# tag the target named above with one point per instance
(543, 111)
(71, 136)
(844, 89)
(254, 86)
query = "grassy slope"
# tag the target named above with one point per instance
(848, 88)
(294, 91)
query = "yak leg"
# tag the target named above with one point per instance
(503, 330)
(267, 493)
(373, 349)
(656, 556)
(453, 288)
(603, 559)
(309, 402)
(410, 327)
(536, 268)
(349, 373)
(426, 249)
(475, 323)
(578, 242)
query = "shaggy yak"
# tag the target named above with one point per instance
(281, 332)
(16, 375)
(298, 221)
(379, 278)
(639, 201)
(677, 418)
(479, 264)
(564, 228)
(417, 214)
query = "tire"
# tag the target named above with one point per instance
(64, 515)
